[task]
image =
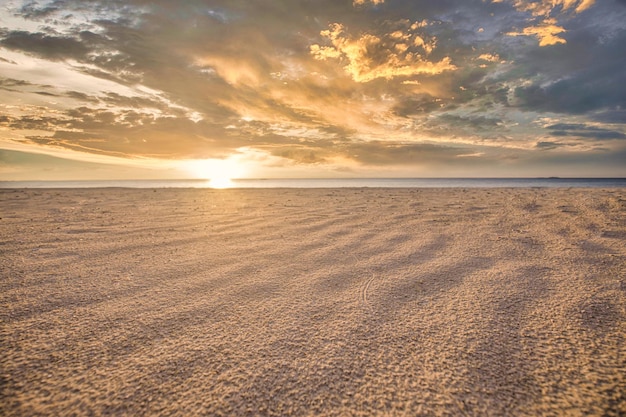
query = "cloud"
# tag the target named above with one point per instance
(610, 116)
(31, 11)
(8, 61)
(549, 145)
(128, 133)
(417, 104)
(469, 121)
(585, 77)
(546, 15)
(489, 57)
(50, 47)
(581, 130)
(384, 153)
(576, 95)
(361, 2)
(369, 153)
(368, 56)
(548, 7)
(8, 83)
(81, 96)
(547, 32)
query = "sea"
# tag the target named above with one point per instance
(335, 183)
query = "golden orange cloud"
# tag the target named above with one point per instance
(547, 32)
(546, 7)
(490, 57)
(360, 2)
(233, 70)
(369, 57)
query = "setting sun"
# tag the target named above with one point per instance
(220, 182)
(219, 172)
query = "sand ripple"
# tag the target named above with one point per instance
(313, 302)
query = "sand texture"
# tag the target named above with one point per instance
(351, 302)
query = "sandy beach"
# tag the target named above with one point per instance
(339, 302)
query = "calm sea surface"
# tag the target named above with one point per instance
(336, 183)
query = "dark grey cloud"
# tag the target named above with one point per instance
(16, 85)
(610, 116)
(81, 96)
(11, 82)
(416, 105)
(477, 122)
(548, 145)
(476, 125)
(47, 94)
(579, 95)
(43, 45)
(584, 131)
(33, 11)
(8, 61)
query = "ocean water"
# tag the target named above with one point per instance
(336, 183)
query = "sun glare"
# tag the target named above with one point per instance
(218, 172)
(220, 182)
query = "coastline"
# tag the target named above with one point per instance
(540, 182)
(355, 301)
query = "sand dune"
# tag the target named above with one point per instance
(313, 302)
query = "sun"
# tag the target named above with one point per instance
(218, 172)
(220, 182)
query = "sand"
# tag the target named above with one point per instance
(313, 302)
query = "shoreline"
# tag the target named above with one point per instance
(548, 182)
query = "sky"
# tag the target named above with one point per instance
(114, 89)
